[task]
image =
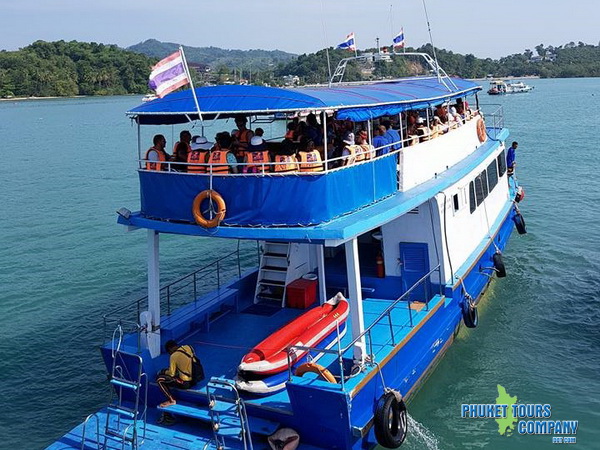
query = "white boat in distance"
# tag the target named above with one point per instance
(500, 87)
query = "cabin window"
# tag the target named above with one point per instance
(456, 202)
(481, 187)
(472, 197)
(502, 163)
(492, 175)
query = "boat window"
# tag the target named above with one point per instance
(455, 200)
(472, 197)
(502, 163)
(481, 187)
(492, 175)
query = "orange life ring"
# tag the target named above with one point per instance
(219, 216)
(315, 368)
(481, 133)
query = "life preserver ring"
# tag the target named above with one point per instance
(315, 368)
(481, 133)
(220, 214)
(470, 315)
(391, 420)
(499, 265)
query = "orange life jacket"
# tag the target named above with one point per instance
(218, 162)
(310, 161)
(287, 163)
(368, 151)
(257, 162)
(243, 137)
(352, 157)
(162, 156)
(289, 134)
(196, 157)
(189, 149)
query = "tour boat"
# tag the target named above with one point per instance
(410, 234)
(500, 87)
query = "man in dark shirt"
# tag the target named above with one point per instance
(510, 158)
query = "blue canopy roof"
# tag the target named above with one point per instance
(351, 101)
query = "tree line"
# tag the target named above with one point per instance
(46, 69)
(62, 68)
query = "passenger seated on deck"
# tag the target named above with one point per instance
(157, 153)
(349, 150)
(181, 149)
(257, 157)
(308, 157)
(221, 159)
(241, 137)
(379, 140)
(285, 158)
(179, 373)
(198, 153)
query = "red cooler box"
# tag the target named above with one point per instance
(301, 293)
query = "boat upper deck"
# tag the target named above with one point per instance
(340, 228)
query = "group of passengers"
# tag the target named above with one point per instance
(302, 149)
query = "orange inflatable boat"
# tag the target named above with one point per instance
(270, 356)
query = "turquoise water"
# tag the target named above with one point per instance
(69, 164)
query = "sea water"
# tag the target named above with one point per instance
(67, 165)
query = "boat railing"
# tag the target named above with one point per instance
(494, 117)
(366, 336)
(267, 168)
(180, 292)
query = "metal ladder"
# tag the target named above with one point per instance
(272, 273)
(227, 414)
(127, 376)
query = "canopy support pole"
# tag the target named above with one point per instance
(154, 293)
(321, 271)
(325, 151)
(355, 300)
(139, 143)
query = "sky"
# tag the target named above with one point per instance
(481, 27)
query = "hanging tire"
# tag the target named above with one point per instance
(520, 223)
(499, 265)
(391, 420)
(470, 315)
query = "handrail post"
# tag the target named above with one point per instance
(410, 312)
(389, 314)
(195, 289)
(218, 275)
(168, 300)
(289, 364)
(371, 355)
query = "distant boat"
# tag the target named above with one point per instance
(149, 97)
(500, 87)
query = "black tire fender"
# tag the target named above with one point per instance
(391, 420)
(520, 223)
(470, 315)
(499, 265)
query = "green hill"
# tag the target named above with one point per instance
(47, 69)
(214, 56)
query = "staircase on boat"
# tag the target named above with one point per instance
(280, 264)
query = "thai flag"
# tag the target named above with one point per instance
(399, 39)
(349, 43)
(168, 74)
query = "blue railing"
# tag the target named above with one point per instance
(182, 291)
(366, 335)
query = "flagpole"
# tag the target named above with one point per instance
(355, 48)
(187, 71)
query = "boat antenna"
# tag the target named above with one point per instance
(437, 66)
(325, 42)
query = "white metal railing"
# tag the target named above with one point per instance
(494, 114)
(329, 164)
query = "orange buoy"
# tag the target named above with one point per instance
(315, 368)
(219, 216)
